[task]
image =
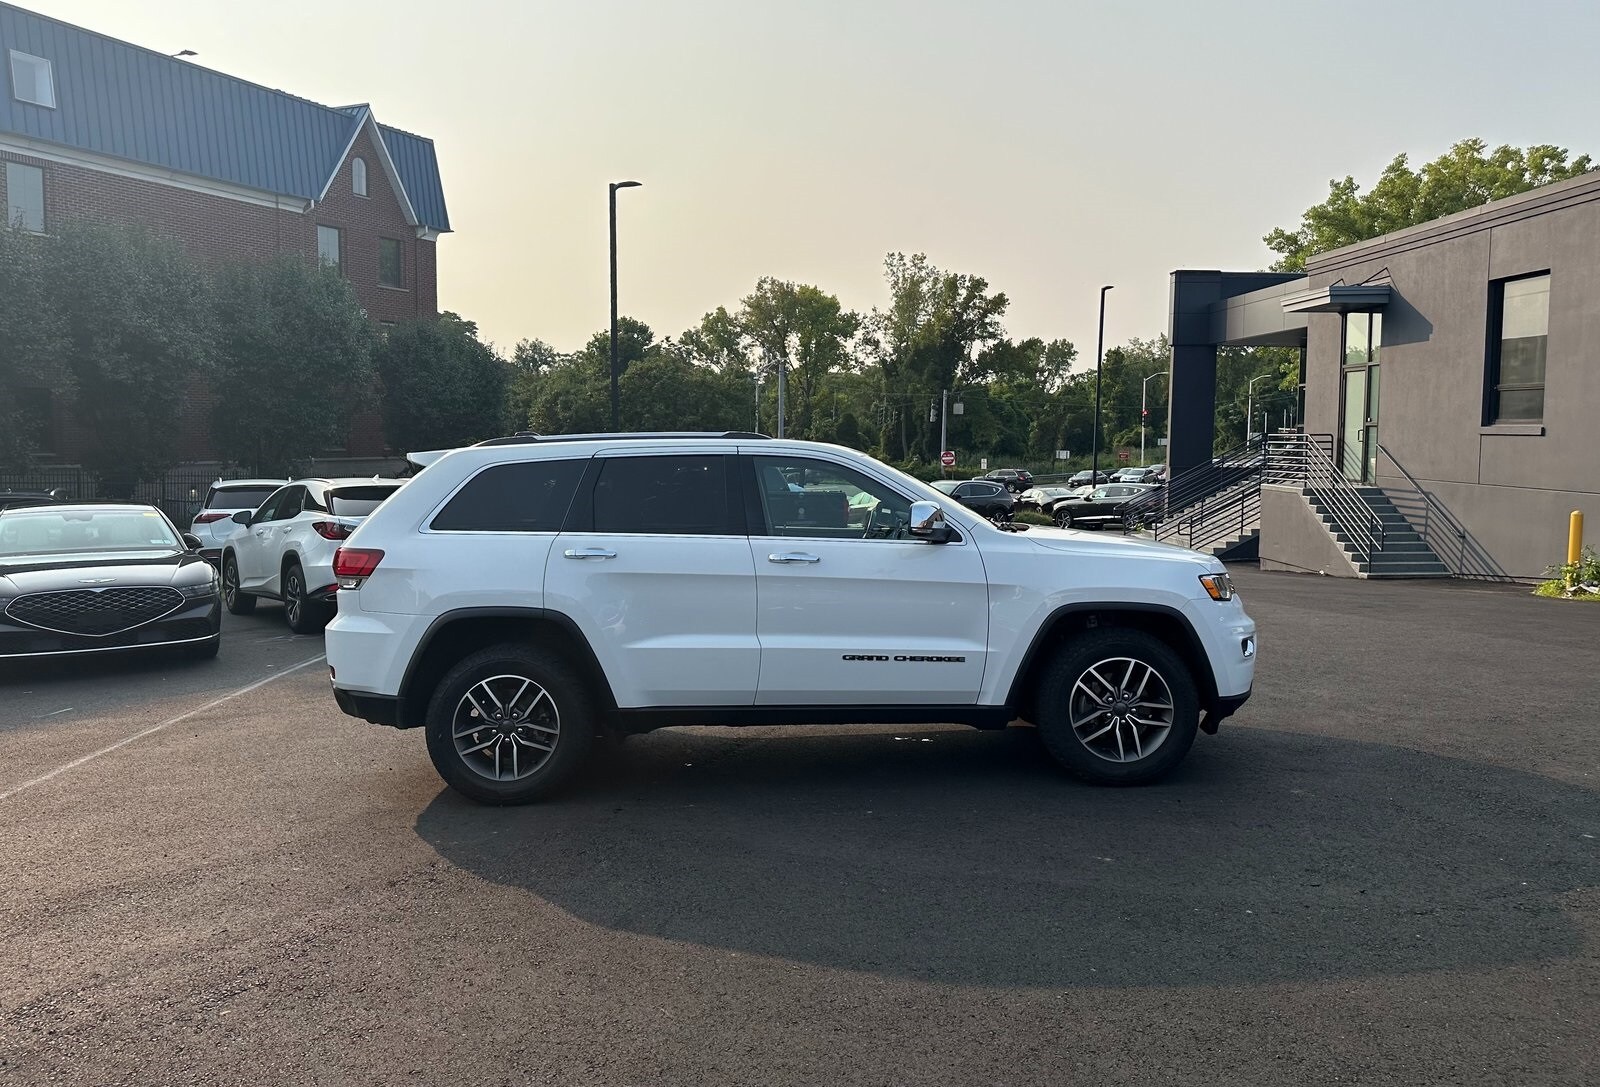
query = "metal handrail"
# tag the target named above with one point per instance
(1427, 499)
(1232, 518)
(1194, 487)
(1322, 479)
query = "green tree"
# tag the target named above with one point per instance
(442, 386)
(1464, 177)
(805, 330)
(295, 363)
(33, 345)
(134, 313)
(529, 362)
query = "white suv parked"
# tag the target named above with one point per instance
(214, 523)
(284, 550)
(521, 597)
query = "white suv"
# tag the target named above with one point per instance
(214, 523)
(284, 550)
(522, 596)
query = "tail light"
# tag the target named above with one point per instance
(332, 530)
(207, 518)
(353, 565)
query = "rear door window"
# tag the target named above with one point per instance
(527, 496)
(668, 496)
(357, 501)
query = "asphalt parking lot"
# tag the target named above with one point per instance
(1385, 870)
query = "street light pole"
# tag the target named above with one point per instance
(1099, 360)
(616, 398)
(1250, 406)
(1144, 408)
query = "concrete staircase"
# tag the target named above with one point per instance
(1402, 552)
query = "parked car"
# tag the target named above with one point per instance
(284, 550)
(1134, 475)
(519, 603)
(10, 500)
(78, 578)
(1038, 499)
(985, 496)
(1098, 507)
(1088, 478)
(1015, 479)
(213, 524)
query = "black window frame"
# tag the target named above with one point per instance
(581, 514)
(1492, 386)
(557, 524)
(399, 264)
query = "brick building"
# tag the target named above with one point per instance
(97, 129)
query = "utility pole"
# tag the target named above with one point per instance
(783, 382)
(944, 411)
(1250, 407)
(1144, 409)
(1099, 361)
(616, 396)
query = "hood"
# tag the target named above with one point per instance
(45, 573)
(1114, 544)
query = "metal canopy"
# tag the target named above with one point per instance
(1339, 298)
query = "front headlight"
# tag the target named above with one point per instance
(203, 591)
(1218, 586)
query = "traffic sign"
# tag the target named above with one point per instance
(947, 458)
(1123, 456)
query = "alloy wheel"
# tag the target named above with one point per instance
(293, 596)
(230, 583)
(505, 727)
(1121, 709)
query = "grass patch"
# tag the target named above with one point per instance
(1029, 517)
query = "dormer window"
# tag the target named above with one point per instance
(358, 176)
(32, 81)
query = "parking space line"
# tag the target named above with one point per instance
(215, 702)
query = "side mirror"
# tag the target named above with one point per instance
(242, 517)
(927, 523)
(191, 541)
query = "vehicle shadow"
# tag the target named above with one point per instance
(965, 858)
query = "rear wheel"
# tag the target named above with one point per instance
(1118, 707)
(1063, 519)
(510, 724)
(306, 616)
(238, 602)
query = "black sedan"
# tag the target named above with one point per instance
(79, 579)
(1038, 499)
(1098, 507)
(984, 496)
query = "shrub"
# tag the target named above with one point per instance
(1573, 580)
(1030, 517)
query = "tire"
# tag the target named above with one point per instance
(238, 601)
(1063, 519)
(564, 716)
(305, 616)
(1073, 727)
(205, 651)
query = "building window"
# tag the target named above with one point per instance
(1520, 311)
(32, 80)
(328, 245)
(25, 197)
(358, 176)
(391, 266)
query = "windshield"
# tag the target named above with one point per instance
(46, 531)
(238, 498)
(357, 501)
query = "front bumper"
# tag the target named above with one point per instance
(197, 622)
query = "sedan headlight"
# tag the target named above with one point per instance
(1218, 586)
(203, 591)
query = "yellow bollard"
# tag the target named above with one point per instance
(1574, 542)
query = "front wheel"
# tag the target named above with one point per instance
(238, 601)
(510, 724)
(1118, 707)
(1063, 519)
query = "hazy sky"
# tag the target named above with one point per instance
(1050, 147)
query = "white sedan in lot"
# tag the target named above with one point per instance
(284, 550)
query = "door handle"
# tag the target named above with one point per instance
(794, 556)
(589, 553)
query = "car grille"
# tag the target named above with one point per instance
(95, 612)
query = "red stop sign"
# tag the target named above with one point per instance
(948, 459)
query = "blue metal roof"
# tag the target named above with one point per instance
(118, 99)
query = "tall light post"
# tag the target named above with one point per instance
(1144, 408)
(616, 398)
(1250, 406)
(1099, 360)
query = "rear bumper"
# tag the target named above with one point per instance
(376, 708)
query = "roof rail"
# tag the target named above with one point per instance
(528, 437)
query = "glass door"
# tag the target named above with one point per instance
(1358, 428)
(1369, 436)
(1353, 435)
